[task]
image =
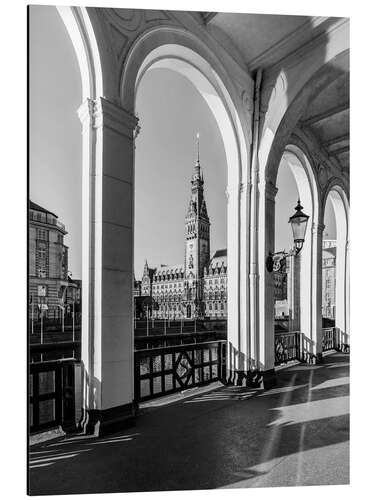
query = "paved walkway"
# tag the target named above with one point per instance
(294, 434)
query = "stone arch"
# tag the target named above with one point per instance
(309, 294)
(307, 262)
(278, 128)
(281, 109)
(337, 193)
(81, 32)
(188, 56)
(83, 37)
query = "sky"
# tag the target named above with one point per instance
(171, 112)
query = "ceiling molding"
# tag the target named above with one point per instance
(336, 140)
(208, 16)
(282, 47)
(326, 114)
(339, 151)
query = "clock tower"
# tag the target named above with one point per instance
(197, 243)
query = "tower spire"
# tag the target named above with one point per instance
(198, 148)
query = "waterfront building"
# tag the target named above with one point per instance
(49, 282)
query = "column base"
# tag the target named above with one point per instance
(253, 378)
(104, 422)
(269, 379)
(313, 359)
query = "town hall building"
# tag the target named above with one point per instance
(198, 287)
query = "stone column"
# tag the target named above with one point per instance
(316, 292)
(347, 295)
(236, 356)
(342, 289)
(107, 266)
(244, 297)
(294, 270)
(266, 333)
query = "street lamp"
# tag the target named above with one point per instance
(298, 222)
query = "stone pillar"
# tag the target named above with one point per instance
(316, 292)
(294, 277)
(107, 265)
(342, 290)
(244, 311)
(236, 355)
(266, 333)
(347, 295)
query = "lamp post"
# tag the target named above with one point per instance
(298, 222)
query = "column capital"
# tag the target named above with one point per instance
(232, 192)
(270, 190)
(318, 228)
(103, 112)
(244, 187)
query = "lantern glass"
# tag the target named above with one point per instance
(299, 221)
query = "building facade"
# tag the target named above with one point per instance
(198, 287)
(329, 279)
(280, 280)
(49, 283)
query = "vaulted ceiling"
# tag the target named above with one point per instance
(327, 118)
(262, 41)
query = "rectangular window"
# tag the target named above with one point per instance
(42, 259)
(42, 234)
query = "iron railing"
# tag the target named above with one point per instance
(152, 341)
(334, 338)
(287, 347)
(165, 370)
(52, 395)
(329, 339)
(54, 351)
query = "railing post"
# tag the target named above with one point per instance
(73, 322)
(32, 318)
(41, 326)
(59, 394)
(136, 378)
(299, 351)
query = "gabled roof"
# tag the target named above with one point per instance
(163, 270)
(218, 260)
(220, 253)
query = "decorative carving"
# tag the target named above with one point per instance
(102, 112)
(270, 190)
(318, 228)
(119, 40)
(124, 25)
(129, 19)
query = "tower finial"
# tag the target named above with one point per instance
(197, 147)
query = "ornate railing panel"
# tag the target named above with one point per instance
(287, 347)
(165, 370)
(51, 395)
(329, 340)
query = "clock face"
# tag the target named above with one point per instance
(191, 246)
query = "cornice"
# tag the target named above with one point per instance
(102, 112)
